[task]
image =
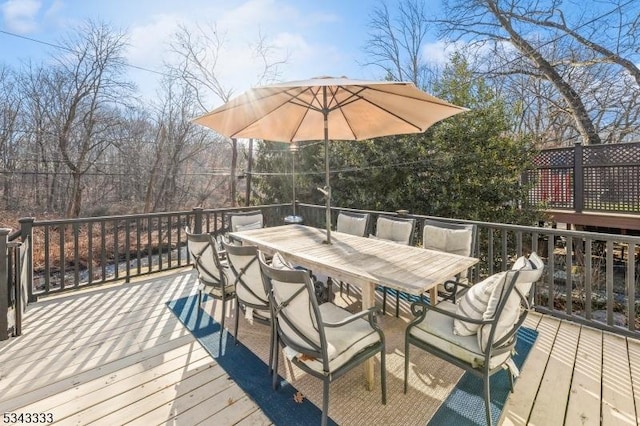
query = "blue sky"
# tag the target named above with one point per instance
(322, 37)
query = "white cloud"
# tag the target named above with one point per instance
(20, 15)
(438, 52)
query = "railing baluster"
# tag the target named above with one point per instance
(138, 258)
(149, 245)
(127, 248)
(631, 286)
(610, 283)
(116, 245)
(505, 252)
(63, 260)
(569, 272)
(90, 252)
(588, 274)
(103, 250)
(550, 265)
(76, 254)
(490, 257)
(47, 260)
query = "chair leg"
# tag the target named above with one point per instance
(487, 399)
(235, 329)
(406, 363)
(224, 308)
(325, 401)
(274, 383)
(511, 380)
(199, 298)
(272, 345)
(383, 376)
(384, 301)
(397, 303)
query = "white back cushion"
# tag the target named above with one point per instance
(530, 271)
(474, 303)
(394, 230)
(456, 241)
(246, 222)
(352, 224)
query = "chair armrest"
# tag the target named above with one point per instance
(451, 288)
(369, 312)
(419, 309)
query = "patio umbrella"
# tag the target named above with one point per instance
(327, 108)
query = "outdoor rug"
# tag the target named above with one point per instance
(439, 393)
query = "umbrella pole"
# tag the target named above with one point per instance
(325, 112)
(328, 200)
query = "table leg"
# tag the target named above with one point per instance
(368, 301)
(433, 296)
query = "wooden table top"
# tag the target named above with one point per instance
(359, 260)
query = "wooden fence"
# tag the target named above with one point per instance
(598, 178)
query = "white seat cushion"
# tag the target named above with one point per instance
(474, 304)
(436, 330)
(343, 343)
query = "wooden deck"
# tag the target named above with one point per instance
(117, 355)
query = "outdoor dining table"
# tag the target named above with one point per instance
(364, 262)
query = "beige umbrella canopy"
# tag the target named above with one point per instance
(327, 108)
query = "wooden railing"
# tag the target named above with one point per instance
(590, 277)
(72, 253)
(14, 280)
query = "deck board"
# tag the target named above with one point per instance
(584, 405)
(518, 407)
(551, 402)
(617, 392)
(117, 354)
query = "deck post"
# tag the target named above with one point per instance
(578, 178)
(4, 283)
(197, 220)
(26, 234)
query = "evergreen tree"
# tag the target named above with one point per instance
(466, 167)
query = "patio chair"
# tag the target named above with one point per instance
(354, 224)
(450, 237)
(250, 291)
(325, 341)
(399, 230)
(479, 333)
(214, 275)
(244, 221)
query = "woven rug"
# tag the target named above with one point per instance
(436, 394)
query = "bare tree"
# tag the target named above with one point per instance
(86, 86)
(10, 105)
(396, 45)
(565, 69)
(199, 54)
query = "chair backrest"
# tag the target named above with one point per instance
(203, 250)
(505, 306)
(243, 260)
(295, 309)
(353, 223)
(456, 238)
(396, 229)
(243, 221)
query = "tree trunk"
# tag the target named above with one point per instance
(576, 107)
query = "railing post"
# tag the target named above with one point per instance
(578, 178)
(197, 220)
(26, 234)
(4, 283)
